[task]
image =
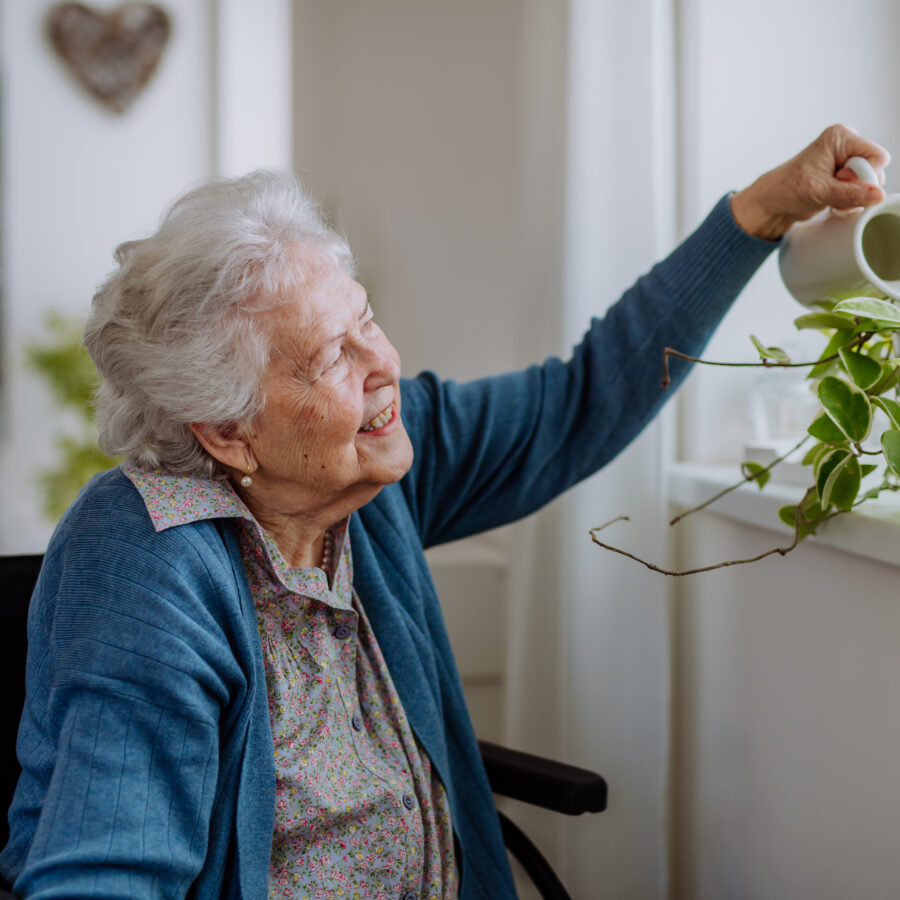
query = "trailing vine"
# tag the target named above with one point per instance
(852, 377)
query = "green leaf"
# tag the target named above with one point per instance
(824, 467)
(809, 515)
(754, 471)
(838, 339)
(810, 506)
(843, 484)
(838, 480)
(824, 320)
(847, 406)
(823, 429)
(881, 310)
(759, 346)
(64, 363)
(891, 408)
(873, 493)
(864, 371)
(879, 350)
(815, 452)
(788, 515)
(888, 378)
(867, 469)
(775, 353)
(804, 517)
(890, 444)
(80, 460)
(68, 371)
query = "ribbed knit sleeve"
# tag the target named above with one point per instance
(496, 449)
(135, 719)
(128, 805)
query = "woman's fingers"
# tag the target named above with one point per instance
(850, 191)
(848, 142)
(813, 179)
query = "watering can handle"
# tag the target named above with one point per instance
(863, 170)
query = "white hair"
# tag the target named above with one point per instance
(176, 330)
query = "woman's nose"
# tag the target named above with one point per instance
(384, 362)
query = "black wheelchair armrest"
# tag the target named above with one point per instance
(542, 782)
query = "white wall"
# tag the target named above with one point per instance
(406, 125)
(77, 180)
(788, 729)
(786, 736)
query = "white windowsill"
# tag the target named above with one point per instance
(872, 532)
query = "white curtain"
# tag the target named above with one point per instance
(589, 667)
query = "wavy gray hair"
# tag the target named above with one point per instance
(176, 330)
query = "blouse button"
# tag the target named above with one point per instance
(408, 801)
(342, 632)
(357, 722)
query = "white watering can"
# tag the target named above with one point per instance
(836, 254)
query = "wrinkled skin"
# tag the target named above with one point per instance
(332, 371)
(810, 181)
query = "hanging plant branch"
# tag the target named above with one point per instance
(753, 471)
(805, 518)
(680, 574)
(772, 359)
(851, 377)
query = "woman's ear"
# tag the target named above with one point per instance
(227, 445)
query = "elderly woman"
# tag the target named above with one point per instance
(239, 682)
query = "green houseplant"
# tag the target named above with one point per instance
(853, 379)
(68, 371)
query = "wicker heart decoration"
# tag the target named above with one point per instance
(113, 54)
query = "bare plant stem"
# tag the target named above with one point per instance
(763, 363)
(782, 551)
(746, 479)
(881, 388)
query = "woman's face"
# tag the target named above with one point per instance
(330, 435)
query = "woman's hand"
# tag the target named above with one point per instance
(812, 180)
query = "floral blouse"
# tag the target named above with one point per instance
(358, 811)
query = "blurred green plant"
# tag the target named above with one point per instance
(71, 377)
(853, 376)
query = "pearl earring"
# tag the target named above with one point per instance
(246, 481)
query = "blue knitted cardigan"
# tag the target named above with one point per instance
(145, 740)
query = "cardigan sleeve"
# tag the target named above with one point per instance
(494, 450)
(131, 682)
(128, 805)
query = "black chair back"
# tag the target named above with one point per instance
(18, 575)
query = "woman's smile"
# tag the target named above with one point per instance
(379, 423)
